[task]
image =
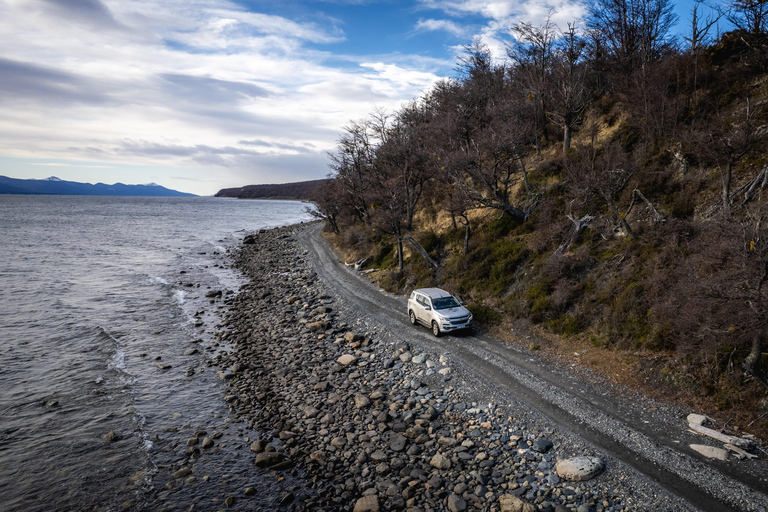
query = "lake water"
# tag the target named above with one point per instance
(98, 294)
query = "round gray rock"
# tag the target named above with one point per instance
(579, 468)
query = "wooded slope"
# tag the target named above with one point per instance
(303, 190)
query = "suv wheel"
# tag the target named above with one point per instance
(413, 317)
(435, 329)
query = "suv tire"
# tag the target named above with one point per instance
(413, 317)
(435, 329)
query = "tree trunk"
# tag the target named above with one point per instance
(467, 232)
(750, 363)
(424, 254)
(566, 138)
(612, 205)
(400, 255)
(528, 189)
(726, 179)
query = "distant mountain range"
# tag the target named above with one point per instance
(56, 186)
(298, 190)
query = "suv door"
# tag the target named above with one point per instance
(421, 312)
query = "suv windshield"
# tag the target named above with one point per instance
(444, 303)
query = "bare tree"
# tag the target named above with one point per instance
(602, 172)
(749, 15)
(734, 137)
(532, 55)
(328, 205)
(699, 37)
(635, 32)
(352, 163)
(570, 96)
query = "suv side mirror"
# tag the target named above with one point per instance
(427, 308)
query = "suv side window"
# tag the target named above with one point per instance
(421, 300)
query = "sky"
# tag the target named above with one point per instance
(199, 95)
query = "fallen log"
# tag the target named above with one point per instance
(741, 454)
(724, 438)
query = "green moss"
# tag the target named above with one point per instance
(565, 325)
(385, 253)
(484, 315)
(538, 301)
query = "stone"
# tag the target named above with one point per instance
(711, 452)
(266, 459)
(362, 401)
(379, 456)
(511, 503)
(181, 473)
(542, 445)
(207, 443)
(419, 358)
(456, 503)
(351, 337)
(311, 412)
(698, 419)
(110, 437)
(249, 491)
(316, 326)
(440, 461)
(258, 446)
(397, 443)
(346, 360)
(163, 366)
(367, 503)
(579, 468)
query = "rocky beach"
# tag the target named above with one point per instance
(364, 419)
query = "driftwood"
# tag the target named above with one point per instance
(741, 454)
(359, 263)
(724, 438)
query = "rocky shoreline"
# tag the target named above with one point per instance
(367, 421)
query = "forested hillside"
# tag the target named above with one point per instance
(602, 185)
(298, 190)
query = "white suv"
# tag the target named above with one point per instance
(439, 310)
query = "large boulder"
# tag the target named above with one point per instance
(579, 468)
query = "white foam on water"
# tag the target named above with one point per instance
(158, 280)
(180, 296)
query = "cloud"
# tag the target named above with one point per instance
(197, 84)
(88, 13)
(502, 15)
(207, 90)
(27, 81)
(431, 25)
